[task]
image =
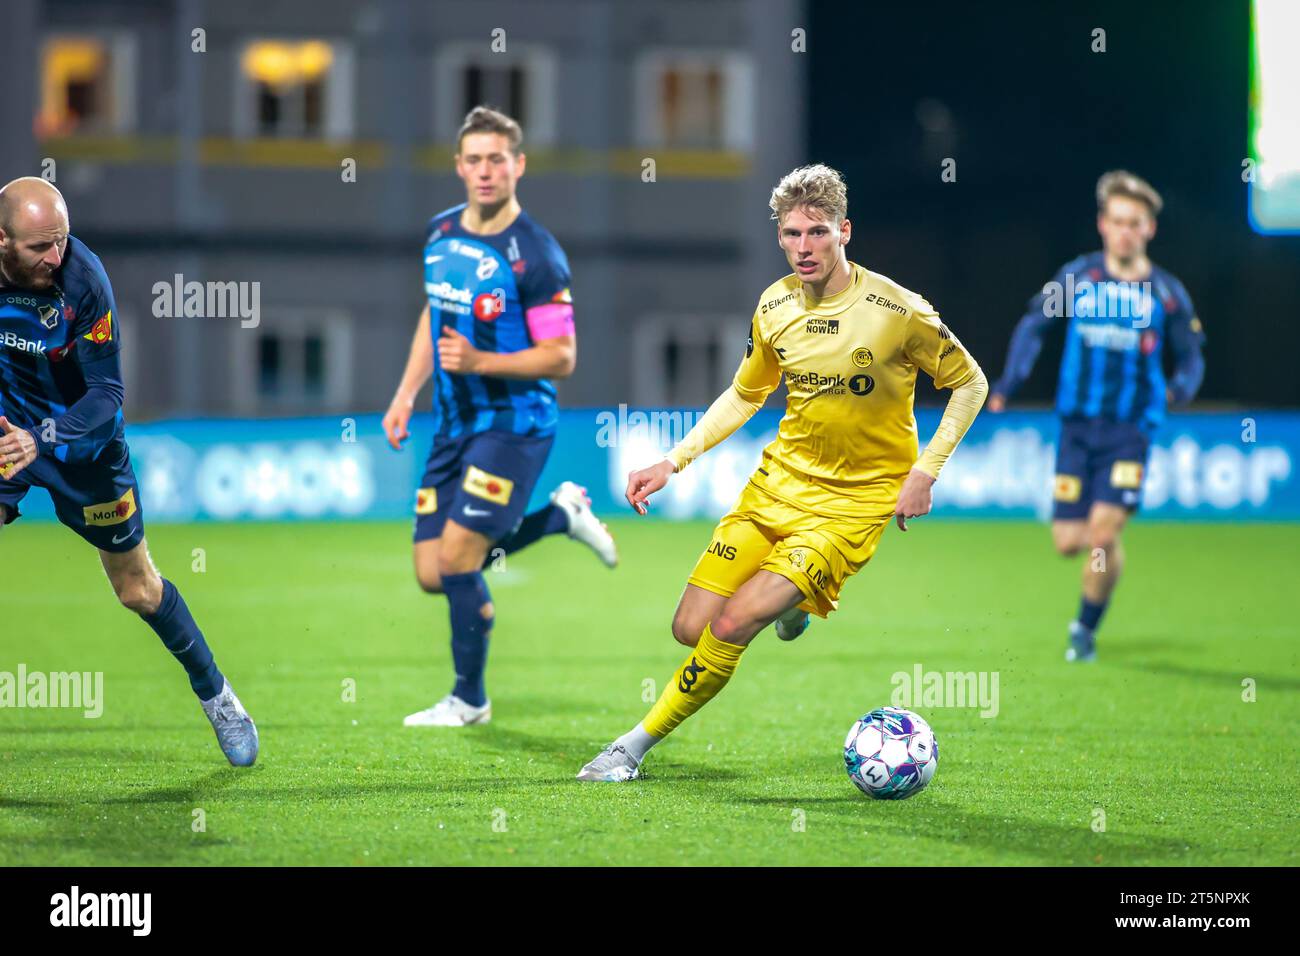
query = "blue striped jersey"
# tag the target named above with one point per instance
(484, 286)
(1112, 366)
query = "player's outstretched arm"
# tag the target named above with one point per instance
(1027, 338)
(419, 366)
(756, 378)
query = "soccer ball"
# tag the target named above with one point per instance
(891, 754)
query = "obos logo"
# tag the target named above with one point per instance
(862, 357)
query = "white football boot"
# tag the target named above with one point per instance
(612, 765)
(451, 711)
(584, 526)
(236, 732)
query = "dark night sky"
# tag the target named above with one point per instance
(1034, 117)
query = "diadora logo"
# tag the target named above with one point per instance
(773, 303)
(12, 340)
(885, 303)
(823, 326)
(690, 674)
(724, 551)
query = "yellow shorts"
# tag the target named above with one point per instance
(764, 533)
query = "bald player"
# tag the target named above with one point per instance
(61, 429)
(844, 463)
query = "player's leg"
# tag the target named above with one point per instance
(1069, 536)
(1071, 504)
(735, 550)
(495, 473)
(461, 555)
(568, 512)
(1116, 470)
(140, 588)
(714, 658)
(425, 559)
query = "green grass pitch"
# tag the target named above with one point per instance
(1156, 735)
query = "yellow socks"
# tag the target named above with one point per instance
(706, 671)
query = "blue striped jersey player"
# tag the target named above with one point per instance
(1125, 317)
(496, 330)
(61, 430)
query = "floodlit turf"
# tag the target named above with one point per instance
(1156, 736)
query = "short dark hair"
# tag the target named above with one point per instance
(484, 119)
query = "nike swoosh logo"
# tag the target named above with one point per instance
(474, 512)
(125, 537)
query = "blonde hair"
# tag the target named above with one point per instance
(816, 187)
(484, 119)
(1120, 182)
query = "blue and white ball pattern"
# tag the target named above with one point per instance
(891, 754)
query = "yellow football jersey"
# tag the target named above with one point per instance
(848, 438)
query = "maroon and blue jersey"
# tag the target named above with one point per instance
(504, 292)
(1112, 367)
(60, 376)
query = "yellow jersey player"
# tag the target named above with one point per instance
(844, 462)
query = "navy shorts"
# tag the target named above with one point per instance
(99, 500)
(1099, 460)
(483, 481)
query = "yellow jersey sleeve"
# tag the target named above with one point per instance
(932, 348)
(758, 375)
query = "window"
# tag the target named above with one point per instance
(519, 82)
(695, 100)
(295, 89)
(294, 361)
(87, 85)
(684, 360)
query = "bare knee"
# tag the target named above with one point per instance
(731, 628)
(139, 594)
(1068, 538)
(429, 579)
(687, 628)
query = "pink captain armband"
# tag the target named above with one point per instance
(550, 321)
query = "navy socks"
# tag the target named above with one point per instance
(549, 520)
(174, 624)
(466, 594)
(1090, 614)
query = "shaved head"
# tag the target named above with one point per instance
(33, 232)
